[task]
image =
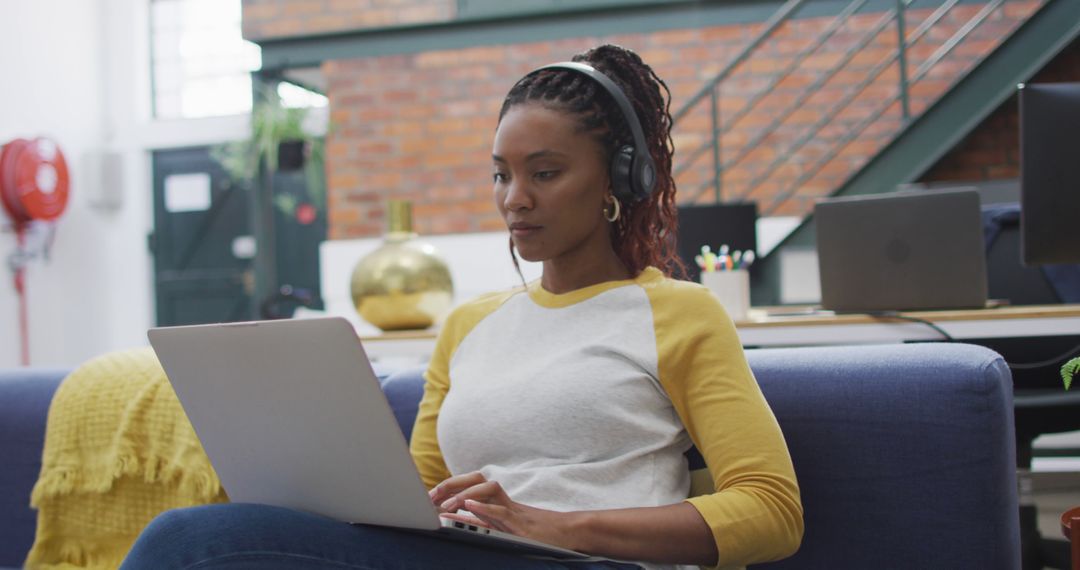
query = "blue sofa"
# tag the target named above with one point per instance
(905, 453)
(24, 404)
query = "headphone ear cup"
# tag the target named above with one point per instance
(622, 168)
(644, 180)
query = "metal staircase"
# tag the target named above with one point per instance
(797, 130)
(853, 109)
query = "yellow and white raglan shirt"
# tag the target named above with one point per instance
(589, 400)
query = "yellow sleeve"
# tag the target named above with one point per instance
(755, 512)
(424, 444)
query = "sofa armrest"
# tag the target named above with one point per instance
(25, 395)
(905, 454)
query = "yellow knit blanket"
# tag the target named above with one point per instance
(118, 450)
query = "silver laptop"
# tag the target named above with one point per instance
(291, 414)
(901, 251)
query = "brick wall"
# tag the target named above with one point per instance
(419, 126)
(992, 150)
(264, 19)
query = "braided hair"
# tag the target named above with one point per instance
(645, 232)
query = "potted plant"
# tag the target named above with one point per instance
(279, 141)
(1070, 369)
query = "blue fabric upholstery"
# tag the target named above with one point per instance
(24, 404)
(904, 453)
(403, 390)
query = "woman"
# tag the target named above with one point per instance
(561, 411)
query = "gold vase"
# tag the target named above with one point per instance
(403, 284)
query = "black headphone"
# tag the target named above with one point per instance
(633, 174)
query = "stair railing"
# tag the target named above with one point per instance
(711, 92)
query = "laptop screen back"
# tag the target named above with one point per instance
(901, 251)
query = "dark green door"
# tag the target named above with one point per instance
(203, 244)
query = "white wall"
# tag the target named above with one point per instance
(78, 72)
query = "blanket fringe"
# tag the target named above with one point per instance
(198, 482)
(69, 554)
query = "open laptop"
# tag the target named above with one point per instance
(291, 414)
(901, 251)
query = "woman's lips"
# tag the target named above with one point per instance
(524, 230)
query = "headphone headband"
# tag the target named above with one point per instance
(616, 93)
(633, 173)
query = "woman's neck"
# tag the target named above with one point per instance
(563, 276)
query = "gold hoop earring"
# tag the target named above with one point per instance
(614, 216)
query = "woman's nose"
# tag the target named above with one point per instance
(517, 196)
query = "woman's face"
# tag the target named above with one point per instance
(550, 185)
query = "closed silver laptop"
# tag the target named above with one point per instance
(901, 251)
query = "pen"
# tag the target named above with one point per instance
(723, 262)
(747, 259)
(708, 258)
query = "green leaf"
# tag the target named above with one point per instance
(286, 203)
(1070, 369)
(271, 124)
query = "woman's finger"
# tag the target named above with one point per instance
(487, 492)
(467, 519)
(494, 516)
(450, 487)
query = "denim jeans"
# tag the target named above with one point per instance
(245, 536)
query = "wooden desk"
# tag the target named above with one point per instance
(794, 326)
(782, 326)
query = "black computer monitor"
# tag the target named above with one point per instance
(1050, 173)
(715, 225)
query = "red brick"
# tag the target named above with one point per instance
(301, 8)
(412, 112)
(402, 128)
(675, 37)
(375, 113)
(468, 141)
(418, 145)
(402, 162)
(255, 11)
(382, 179)
(337, 148)
(450, 158)
(399, 96)
(443, 126)
(280, 28)
(343, 216)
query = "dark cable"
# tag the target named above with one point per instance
(894, 315)
(949, 338)
(1047, 362)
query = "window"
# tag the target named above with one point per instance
(201, 64)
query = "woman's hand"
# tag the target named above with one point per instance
(491, 507)
(668, 534)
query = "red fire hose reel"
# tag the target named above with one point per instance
(34, 186)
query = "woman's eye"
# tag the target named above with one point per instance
(545, 174)
(498, 177)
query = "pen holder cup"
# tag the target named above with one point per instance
(732, 289)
